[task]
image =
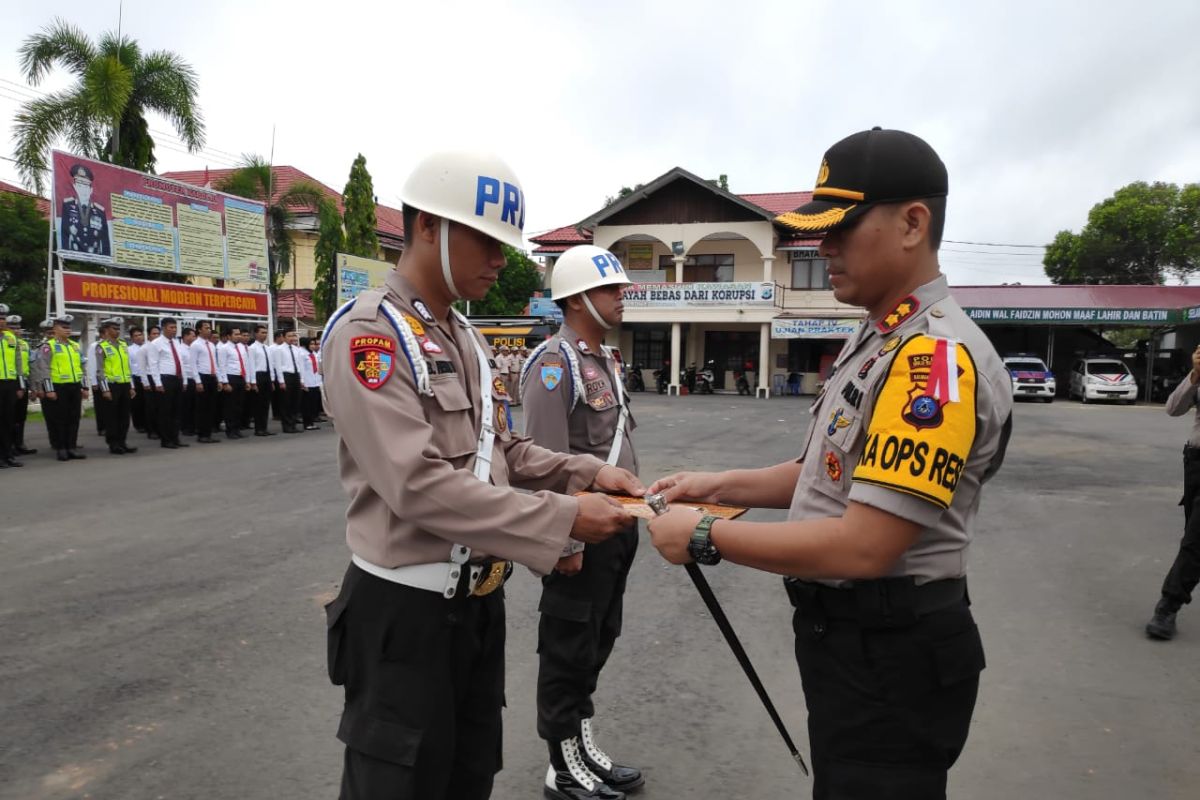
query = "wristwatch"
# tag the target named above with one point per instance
(701, 548)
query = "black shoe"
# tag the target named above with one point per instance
(568, 779)
(22, 450)
(12, 462)
(187, 433)
(182, 444)
(169, 445)
(152, 436)
(61, 455)
(71, 454)
(312, 427)
(140, 430)
(128, 449)
(619, 777)
(206, 440)
(116, 451)
(1162, 624)
(3, 465)
(292, 430)
(263, 433)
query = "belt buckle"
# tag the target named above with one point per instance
(494, 579)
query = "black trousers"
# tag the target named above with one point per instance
(153, 411)
(580, 622)
(311, 404)
(278, 401)
(205, 403)
(1185, 572)
(187, 408)
(168, 408)
(291, 400)
(116, 410)
(20, 413)
(424, 684)
(8, 417)
(100, 409)
(889, 706)
(137, 406)
(262, 400)
(63, 414)
(234, 399)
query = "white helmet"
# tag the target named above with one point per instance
(582, 268)
(478, 190)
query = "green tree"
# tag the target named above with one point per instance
(23, 234)
(518, 281)
(1140, 235)
(330, 241)
(359, 201)
(624, 191)
(103, 114)
(254, 181)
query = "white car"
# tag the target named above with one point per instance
(1102, 379)
(1030, 378)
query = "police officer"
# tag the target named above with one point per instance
(58, 374)
(427, 454)
(84, 225)
(912, 422)
(12, 389)
(1185, 571)
(114, 383)
(575, 403)
(22, 407)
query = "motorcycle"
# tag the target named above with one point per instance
(705, 379)
(662, 378)
(743, 385)
(689, 378)
(634, 382)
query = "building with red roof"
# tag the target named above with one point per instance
(43, 205)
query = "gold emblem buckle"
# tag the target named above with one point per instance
(493, 580)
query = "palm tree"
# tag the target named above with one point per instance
(104, 114)
(253, 180)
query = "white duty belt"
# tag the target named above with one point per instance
(614, 454)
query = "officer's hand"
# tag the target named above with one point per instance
(703, 487)
(618, 481)
(283, 387)
(227, 387)
(20, 393)
(570, 565)
(599, 518)
(106, 395)
(199, 388)
(85, 391)
(132, 392)
(51, 395)
(159, 389)
(672, 531)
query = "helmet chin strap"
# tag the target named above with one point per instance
(446, 275)
(587, 301)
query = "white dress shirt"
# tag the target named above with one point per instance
(310, 369)
(137, 364)
(261, 358)
(234, 360)
(189, 363)
(278, 353)
(204, 355)
(160, 360)
(286, 360)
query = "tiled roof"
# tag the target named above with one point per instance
(389, 221)
(552, 249)
(295, 303)
(43, 205)
(568, 234)
(798, 243)
(778, 202)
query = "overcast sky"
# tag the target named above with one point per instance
(1037, 113)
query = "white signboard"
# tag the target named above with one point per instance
(813, 328)
(682, 295)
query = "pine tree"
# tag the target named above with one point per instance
(330, 241)
(359, 201)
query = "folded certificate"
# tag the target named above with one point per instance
(638, 507)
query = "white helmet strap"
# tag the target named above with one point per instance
(446, 274)
(587, 301)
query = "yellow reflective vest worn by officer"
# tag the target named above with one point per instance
(59, 363)
(115, 367)
(910, 422)
(10, 356)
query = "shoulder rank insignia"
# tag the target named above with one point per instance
(374, 359)
(551, 377)
(896, 317)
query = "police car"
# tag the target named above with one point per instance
(1102, 379)
(1030, 377)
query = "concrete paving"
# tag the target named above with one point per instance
(163, 632)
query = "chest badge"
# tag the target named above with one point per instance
(423, 310)
(583, 346)
(833, 466)
(417, 328)
(837, 421)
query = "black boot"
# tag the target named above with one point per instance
(62, 455)
(71, 454)
(22, 450)
(567, 778)
(618, 777)
(1162, 624)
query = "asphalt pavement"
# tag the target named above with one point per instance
(162, 631)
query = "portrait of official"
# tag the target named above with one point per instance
(84, 225)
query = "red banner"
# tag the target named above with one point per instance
(127, 293)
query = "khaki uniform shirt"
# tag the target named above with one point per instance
(406, 459)
(913, 419)
(1185, 397)
(588, 427)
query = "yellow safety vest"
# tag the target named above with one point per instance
(116, 361)
(23, 366)
(8, 356)
(66, 365)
